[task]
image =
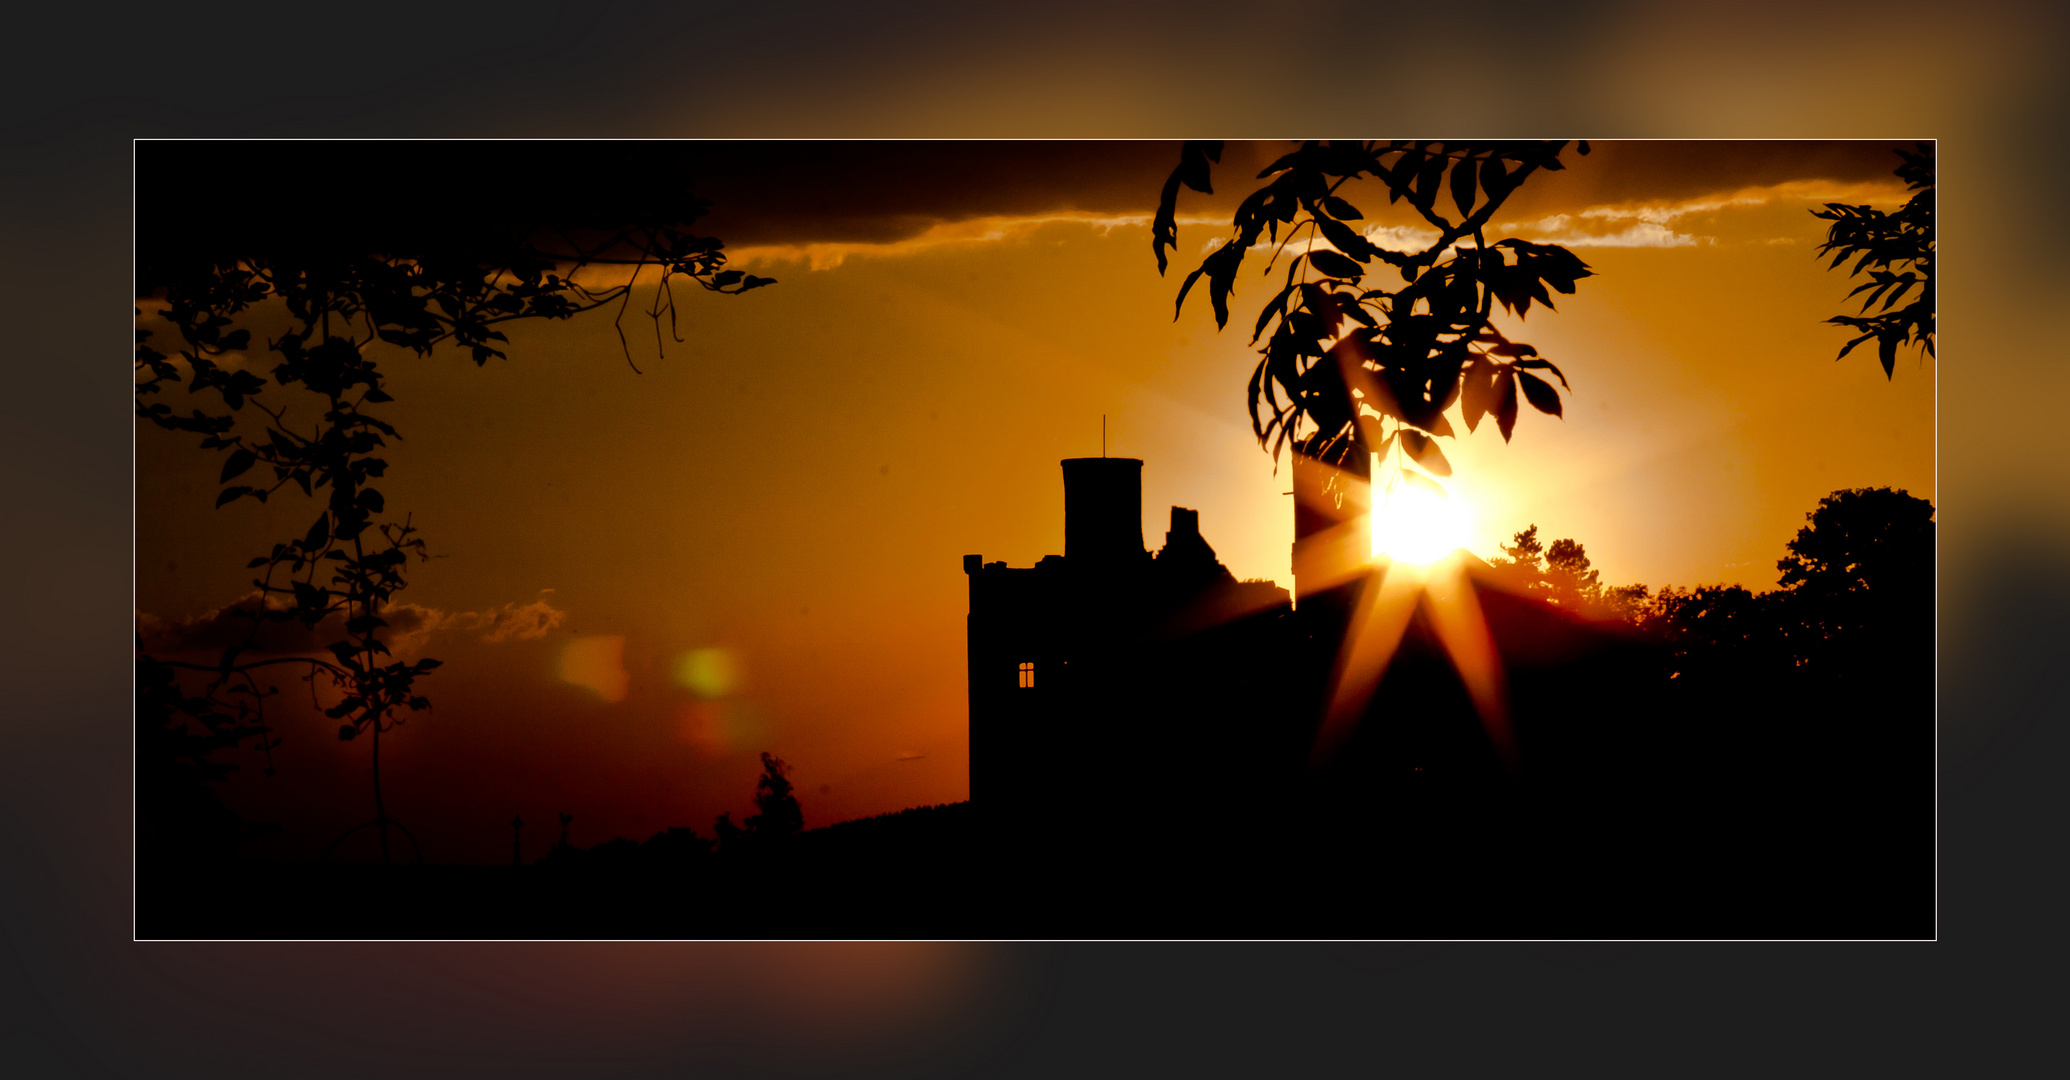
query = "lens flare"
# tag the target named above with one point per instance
(1390, 597)
(719, 728)
(709, 673)
(1418, 524)
(596, 664)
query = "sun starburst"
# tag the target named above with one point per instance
(1416, 563)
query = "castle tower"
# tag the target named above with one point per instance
(1103, 511)
(1332, 527)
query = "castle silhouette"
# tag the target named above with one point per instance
(1140, 720)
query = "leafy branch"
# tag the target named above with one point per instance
(1896, 251)
(1351, 366)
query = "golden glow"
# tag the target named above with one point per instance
(1415, 524)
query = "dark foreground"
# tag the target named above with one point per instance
(1497, 871)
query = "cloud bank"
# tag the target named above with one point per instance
(410, 627)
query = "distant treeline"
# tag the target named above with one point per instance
(1711, 762)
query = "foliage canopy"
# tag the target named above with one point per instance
(1350, 346)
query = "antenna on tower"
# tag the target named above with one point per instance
(1103, 434)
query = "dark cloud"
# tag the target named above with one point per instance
(876, 192)
(1624, 171)
(219, 628)
(773, 192)
(793, 192)
(409, 625)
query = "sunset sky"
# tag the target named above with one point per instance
(645, 579)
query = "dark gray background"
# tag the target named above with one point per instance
(80, 999)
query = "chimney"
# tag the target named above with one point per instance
(1103, 510)
(1185, 527)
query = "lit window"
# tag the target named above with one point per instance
(1027, 675)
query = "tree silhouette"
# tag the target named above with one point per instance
(1522, 562)
(1525, 551)
(1853, 610)
(1714, 630)
(1896, 251)
(777, 814)
(1573, 584)
(1562, 575)
(1352, 366)
(1857, 585)
(363, 249)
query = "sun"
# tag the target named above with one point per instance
(1419, 565)
(1413, 523)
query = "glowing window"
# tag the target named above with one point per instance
(1027, 674)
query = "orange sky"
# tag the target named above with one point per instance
(766, 528)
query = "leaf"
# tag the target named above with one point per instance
(231, 494)
(346, 732)
(1333, 264)
(1194, 157)
(1425, 450)
(1849, 347)
(1185, 287)
(238, 463)
(1462, 186)
(318, 533)
(1221, 267)
(1505, 409)
(1278, 306)
(1545, 365)
(1192, 171)
(1427, 176)
(1540, 393)
(1344, 239)
(1476, 393)
(1340, 209)
(1494, 178)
